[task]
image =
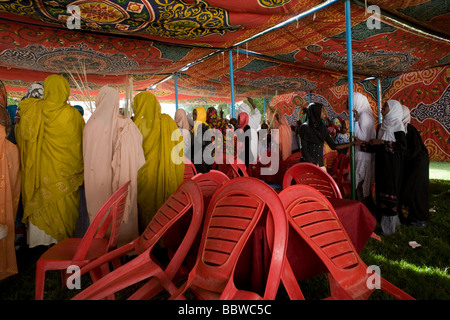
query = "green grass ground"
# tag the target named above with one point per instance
(422, 272)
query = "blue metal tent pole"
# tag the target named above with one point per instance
(379, 96)
(230, 52)
(176, 91)
(348, 33)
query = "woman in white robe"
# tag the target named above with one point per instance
(365, 131)
(112, 151)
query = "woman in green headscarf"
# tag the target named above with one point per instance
(49, 137)
(161, 175)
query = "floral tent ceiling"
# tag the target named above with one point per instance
(149, 40)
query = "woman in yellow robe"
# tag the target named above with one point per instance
(161, 175)
(49, 137)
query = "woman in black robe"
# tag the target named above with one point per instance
(313, 133)
(414, 198)
(389, 148)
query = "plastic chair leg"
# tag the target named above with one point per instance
(39, 282)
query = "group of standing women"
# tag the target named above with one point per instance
(62, 158)
(221, 140)
(391, 156)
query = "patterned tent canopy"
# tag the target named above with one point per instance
(146, 41)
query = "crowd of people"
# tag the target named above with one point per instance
(57, 170)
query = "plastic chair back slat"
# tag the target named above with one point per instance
(310, 174)
(102, 221)
(324, 233)
(232, 215)
(188, 200)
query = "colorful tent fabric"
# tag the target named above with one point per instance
(148, 41)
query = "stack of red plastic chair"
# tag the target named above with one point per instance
(232, 167)
(185, 206)
(310, 174)
(209, 183)
(80, 251)
(342, 174)
(232, 215)
(311, 215)
(329, 161)
(189, 169)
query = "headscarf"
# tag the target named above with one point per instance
(99, 138)
(212, 118)
(243, 120)
(181, 119)
(161, 175)
(365, 127)
(392, 121)
(36, 90)
(5, 119)
(49, 137)
(337, 123)
(318, 132)
(406, 119)
(201, 118)
(214, 122)
(253, 114)
(80, 109)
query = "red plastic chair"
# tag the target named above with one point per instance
(185, 204)
(311, 215)
(189, 169)
(80, 251)
(310, 174)
(209, 183)
(342, 173)
(231, 217)
(233, 168)
(329, 161)
(290, 161)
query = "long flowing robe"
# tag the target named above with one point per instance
(313, 133)
(364, 161)
(184, 126)
(254, 121)
(112, 148)
(389, 166)
(198, 143)
(161, 175)
(128, 158)
(285, 134)
(49, 137)
(9, 201)
(99, 137)
(415, 184)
